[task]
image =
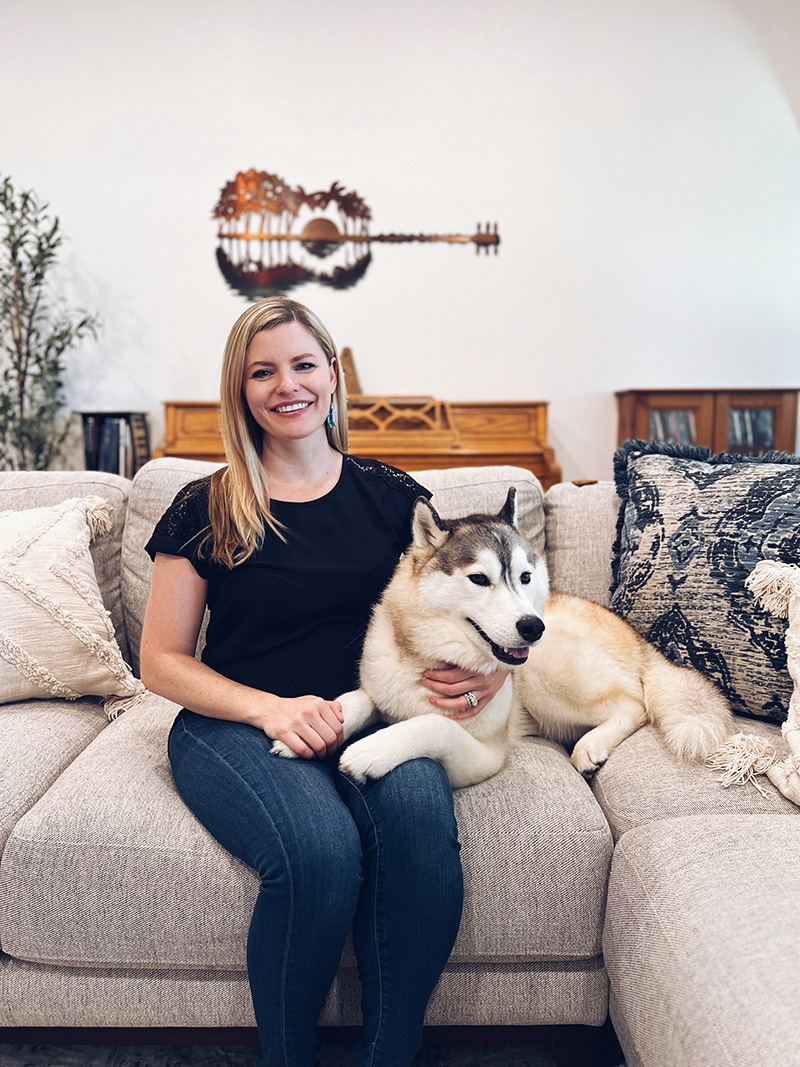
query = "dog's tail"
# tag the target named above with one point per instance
(690, 712)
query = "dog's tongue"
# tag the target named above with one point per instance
(518, 653)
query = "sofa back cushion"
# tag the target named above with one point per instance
(581, 529)
(154, 489)
(456, 492)
(22, 490)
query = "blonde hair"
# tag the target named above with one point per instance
(239, 500)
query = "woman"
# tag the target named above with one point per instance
(289, 546)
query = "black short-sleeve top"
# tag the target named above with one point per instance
(291, 619)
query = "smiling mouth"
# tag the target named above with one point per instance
(286, 409)
(514, 656)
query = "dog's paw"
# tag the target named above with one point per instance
(367, 758)
(280, 749)
(587, 759)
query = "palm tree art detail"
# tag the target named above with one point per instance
(274, 236)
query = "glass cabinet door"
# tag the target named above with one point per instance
(751, 430)
(756, 422)
(678, 417)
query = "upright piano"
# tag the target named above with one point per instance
(410, 432)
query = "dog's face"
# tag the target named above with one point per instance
(480, 573)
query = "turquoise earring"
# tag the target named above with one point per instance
(331, 419)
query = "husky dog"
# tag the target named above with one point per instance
(472, 593)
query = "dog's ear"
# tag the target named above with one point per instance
(508, 512)
(426, 527)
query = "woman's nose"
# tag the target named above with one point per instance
(286, 382)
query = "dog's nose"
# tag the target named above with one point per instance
(530, 628)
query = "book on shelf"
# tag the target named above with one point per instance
(752, 428)
(116, 442)
(675, 427)
(140, 439)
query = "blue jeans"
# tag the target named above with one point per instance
(331, 854)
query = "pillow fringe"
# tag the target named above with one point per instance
(698, 453)
(636, 446)
(773, 584)
(113, 706)
(98, 516)
(741, 758)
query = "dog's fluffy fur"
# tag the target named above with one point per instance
(472, 593)
(593, 680)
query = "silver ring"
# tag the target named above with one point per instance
(472, 700)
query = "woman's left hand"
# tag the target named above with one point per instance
(451, 685)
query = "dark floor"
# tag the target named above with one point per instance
(457, 1047)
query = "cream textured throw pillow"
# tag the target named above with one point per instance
(56, 637)
(776, 586)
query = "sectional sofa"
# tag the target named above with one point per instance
(651, 892)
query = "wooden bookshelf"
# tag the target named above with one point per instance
(115, 441)
(748, 421)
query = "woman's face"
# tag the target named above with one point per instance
(288, 382)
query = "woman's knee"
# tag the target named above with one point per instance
(329, 857)
(410, 810)
(418, 792)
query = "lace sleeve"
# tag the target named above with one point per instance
(182, 526)
(374, 470)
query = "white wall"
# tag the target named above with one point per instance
(641, 157)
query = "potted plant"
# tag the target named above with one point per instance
(36, 330)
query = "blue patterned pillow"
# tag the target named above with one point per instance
(692, 527)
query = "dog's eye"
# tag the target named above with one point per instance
(525, 577)
(479, 579)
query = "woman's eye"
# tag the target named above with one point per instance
(306, 366)
(525, 577)
(479, 579)
(261, 372)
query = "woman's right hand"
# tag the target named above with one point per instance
(310, 726)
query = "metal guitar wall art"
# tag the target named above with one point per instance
(273, 236)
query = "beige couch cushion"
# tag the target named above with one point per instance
(38, 739)
(642, 782)
(499, 994)
(110, 868)
(21, 490)
(153, 490)
(701, 941)
(581, 528)
(89, 875)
